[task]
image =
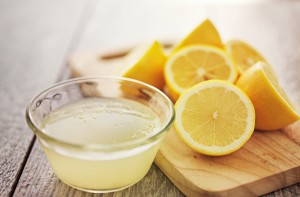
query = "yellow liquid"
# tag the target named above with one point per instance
(97, 121)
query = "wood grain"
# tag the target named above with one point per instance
(33, 39)
(70, 32)
(268, 161)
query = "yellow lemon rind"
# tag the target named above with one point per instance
(149, 67)
(205, 33)
(273, 111)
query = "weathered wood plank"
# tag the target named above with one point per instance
(34, 36)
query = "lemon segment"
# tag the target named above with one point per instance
(243, 55)
(272, 106)
(214, 117)
(146, 63)
(205, 33)
(194, 64)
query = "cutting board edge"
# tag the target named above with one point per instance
(243, 189)
(161, 162)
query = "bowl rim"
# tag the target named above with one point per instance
(40, 132)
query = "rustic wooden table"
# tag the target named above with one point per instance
(36, 38)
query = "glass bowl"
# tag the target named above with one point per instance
(100, 134)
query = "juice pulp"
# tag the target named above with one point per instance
(100, 121)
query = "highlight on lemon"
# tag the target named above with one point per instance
(205, 33)
(194, 64)
(146, 63)
(214, 117)
(273, 108)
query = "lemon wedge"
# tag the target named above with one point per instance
(205, 33)
(243, 54)
(146, 63)
(273, 108)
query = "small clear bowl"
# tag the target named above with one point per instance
(97, 167)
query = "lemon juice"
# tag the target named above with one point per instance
(111, 125)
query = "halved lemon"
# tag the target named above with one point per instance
(146, 63)
(243, 55)
(273, 108)
(194, 64)
(205, 33)
(214, 117)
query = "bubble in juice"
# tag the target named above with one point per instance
(101, 121)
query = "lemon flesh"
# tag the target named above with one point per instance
(214, 117)
(197, 63)
(243, 54)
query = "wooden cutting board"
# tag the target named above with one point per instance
(269, 160)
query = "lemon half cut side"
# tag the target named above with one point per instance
(214, 117)
(197, 63)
